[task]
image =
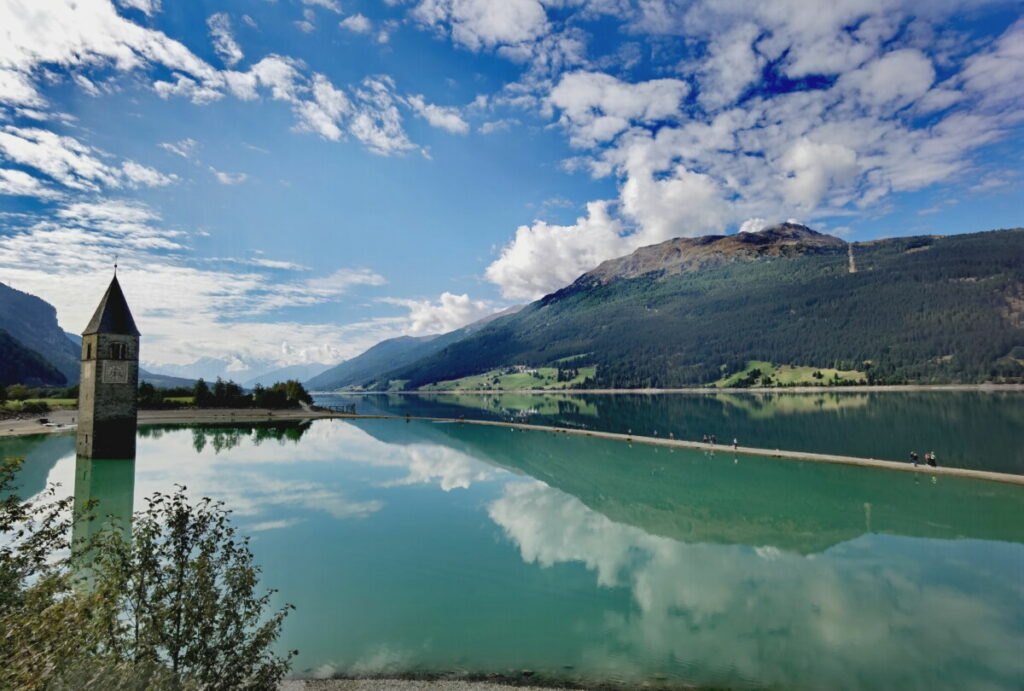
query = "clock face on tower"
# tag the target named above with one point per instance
(115, 372)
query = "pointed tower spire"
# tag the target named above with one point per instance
(112, 316)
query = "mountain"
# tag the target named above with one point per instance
(693, 254)
(163, 381)
(33, 322)
(928, 309)
(296, 372)
(22, 365)
(395, 353)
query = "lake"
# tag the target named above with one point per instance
(967, 429)
(421, 547)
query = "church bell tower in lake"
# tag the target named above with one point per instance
(109, 383)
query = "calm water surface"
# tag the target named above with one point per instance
(968, 429)
(427, 547)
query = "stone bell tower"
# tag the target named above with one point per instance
(109, 383)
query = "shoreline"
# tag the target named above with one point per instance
(859, 388)
(236, 416)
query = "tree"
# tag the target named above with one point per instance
(201, 394)
(185, 594)
(18, 392)
(173, 607)
(149, 397)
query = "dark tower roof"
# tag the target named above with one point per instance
(112, 316)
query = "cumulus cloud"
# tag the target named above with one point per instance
(223, 40)
(893, 80)
(736, 152)
(595, 107)
(356, 23)
(753, 225)
(478, 24)
(543, 257)
(444, 117)
(450, 312)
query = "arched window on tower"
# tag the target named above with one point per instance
(119, 351)
(88, 351)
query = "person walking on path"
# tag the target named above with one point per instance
(913, 458)
(932, 460)
(735, 443)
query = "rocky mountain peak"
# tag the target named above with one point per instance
(680, 255)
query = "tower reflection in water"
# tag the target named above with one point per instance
(104, 500)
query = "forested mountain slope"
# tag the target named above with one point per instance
(686, 312)
(394, 353)
(22, 365)
(33, 322)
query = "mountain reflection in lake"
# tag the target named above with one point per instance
(967, 429)
(423, 547)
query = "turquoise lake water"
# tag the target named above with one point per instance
(967, 429)
(419, 547)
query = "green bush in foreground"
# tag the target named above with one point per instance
(174, 607)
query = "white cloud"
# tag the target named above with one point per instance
(64, 159)
(308, 22)
(450, 312)
(323, 113)
(996, 75)
(223, 40)
(357, 23)
(332, 5)
(71, 163)
(543, 257)
(444, 117)
(147, 7)
(211, 312)
(90, 34)
(138, 175)
(229, 178)
(186, 148)
(893, 80)
(731, 67)
(813, 168)
(20, 183)
(377, 122)
(482, 24)
(16, 88)
(497, 125)
(753, 225)
(596, 107)
(680, 203)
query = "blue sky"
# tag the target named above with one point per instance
(291, 181)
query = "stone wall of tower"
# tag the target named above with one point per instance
(108, 396)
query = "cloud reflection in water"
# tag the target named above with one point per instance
(876, 611)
